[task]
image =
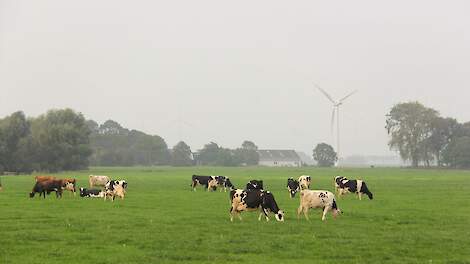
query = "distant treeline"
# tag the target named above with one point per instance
(423, 137)
(64, 140)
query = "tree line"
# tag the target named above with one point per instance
(424, 138)
(63, 139)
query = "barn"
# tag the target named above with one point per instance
(279, 158)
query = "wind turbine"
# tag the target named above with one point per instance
(336, 105)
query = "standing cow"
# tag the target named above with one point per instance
(254, 200)
(70, 184)
(345, 186)
(209, 182)
(317, 199)
(98, 180)
(293, 187)
(43, 187)
(304, 182)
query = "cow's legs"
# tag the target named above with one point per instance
(360, 195)
(306, 213)
(266, 214)
(325, 210)
(299, 210)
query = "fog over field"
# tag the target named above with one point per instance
(228, 71)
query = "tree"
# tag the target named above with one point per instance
(325, 155)
(442, 131)
(457, 154)
(208, 154)
(15, 140)
(181, 155)
(247, 154)
(61, 140)
(410, 126)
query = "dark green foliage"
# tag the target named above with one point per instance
(114, 145)
(55, 141)
(213, 155)
(457, 155)
(181, 155)
(325, 155)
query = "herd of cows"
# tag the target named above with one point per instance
(255, 198)
(252, 198)
(111, 188)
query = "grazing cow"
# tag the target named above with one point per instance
(43, 187)
(293, 187)
(304, 182)
(228, 184)
(93, 193)
(117, 190)
(224, 182)
(209, 182)
(70, 183)
(254, 200)
(254, 185)
(98, 180)
(345, 186)
(317, 199)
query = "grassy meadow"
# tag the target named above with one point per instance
(417, 216)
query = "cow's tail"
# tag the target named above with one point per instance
(365, 190)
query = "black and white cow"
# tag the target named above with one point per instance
(254, 185)
(344, 186)
(317, 199)
(115, 188)
(293, 187)
(93, 193)
(228, 184)
(209, 182)
(254, 200)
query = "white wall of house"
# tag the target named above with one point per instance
(271, 163)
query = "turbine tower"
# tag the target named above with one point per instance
(336, 105)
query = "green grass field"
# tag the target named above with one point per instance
(417, 216)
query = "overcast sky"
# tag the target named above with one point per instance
(228, 71)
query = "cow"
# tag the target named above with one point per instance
(293, 187)
(98, 180)
(224, 182)
(317, 199)
(71, 183)
(254, 185)
(228, 184)
(1, 185)
(304, 182)
(254, 200)
(43, 187)
(93, 193)
(209, 182)
(345, 186)
(117, 190)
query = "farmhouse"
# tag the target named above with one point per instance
(279, 158)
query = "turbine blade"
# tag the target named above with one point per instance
(325, 93)
(344, 98)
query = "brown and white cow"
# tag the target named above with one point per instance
(98, 180)
(70, 183)
(48, 186)
(317, 199)
(209, 182)
(116, 191)
(304, 182)
(254, 200)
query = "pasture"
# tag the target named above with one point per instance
(417, 216)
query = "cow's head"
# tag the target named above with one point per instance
(82, 192)
(31, 194)
(212, 183)
(293, 187)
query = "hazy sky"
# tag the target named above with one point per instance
(226, 71)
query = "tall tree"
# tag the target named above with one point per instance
(247, 154)
(410, 126)
(181, 155)
(61, 139)
(457, 154)
(442, 131)
(209, 153)
(325, 155)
